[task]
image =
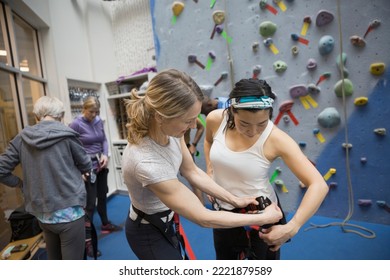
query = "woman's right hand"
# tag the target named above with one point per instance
(271, 214)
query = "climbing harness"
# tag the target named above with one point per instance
(177, 241)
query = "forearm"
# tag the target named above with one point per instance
(310, 203)
(199, 179)
(11, 181)
(198, 135)
(225, 219)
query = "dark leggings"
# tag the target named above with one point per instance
(98, 190)
(65, 241)
(148, 243)
(233, 244)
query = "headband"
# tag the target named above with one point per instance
(252, 102)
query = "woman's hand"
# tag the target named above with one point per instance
(272, 213)
(277, 235)
(242, 202)
(192, 149)
(103, 161)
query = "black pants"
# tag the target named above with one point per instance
(237, 243)
(148, 243)
(97, 192)
(233, 244)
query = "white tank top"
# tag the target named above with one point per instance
(244, 173)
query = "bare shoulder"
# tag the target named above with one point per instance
(279, 143)
(214, 119)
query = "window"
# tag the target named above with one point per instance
(21, 84)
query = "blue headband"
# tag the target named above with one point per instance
(252, 102)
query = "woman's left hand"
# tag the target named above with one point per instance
(103, 161)
(277, 235)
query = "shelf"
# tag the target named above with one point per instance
(117, 120)
(124, 95)
(119, 92)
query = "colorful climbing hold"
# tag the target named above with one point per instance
(255, 46)
(380, 131)
(279, 183)
(256, 71)
(311, 64)
(324, 17)
(348, 88)
(357, 41)
(329, 118)
(364, 202)
(218, 18)
(297, 91)
(302, 40)
(313, 89)
(267, 28)
(347, 146)
(285, 108)
(373, 24)
(326, 45)
(323, 77)
(360, 101)
(329, 174)
(377, 68)
(280, 66)
(269, 43)
(306, 24)
(263, 5)
(177, 8)
(294, 50)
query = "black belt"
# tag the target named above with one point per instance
(155, 220)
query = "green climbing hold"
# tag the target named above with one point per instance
(267, 28)
(348, 88)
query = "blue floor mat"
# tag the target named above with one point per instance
(329, 243)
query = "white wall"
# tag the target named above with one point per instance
(77, 43)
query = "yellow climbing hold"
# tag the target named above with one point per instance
(377, 68)
(360, 101)
(177, 8)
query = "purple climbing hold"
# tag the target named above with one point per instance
(364, 202)
(324, 17)
(219, 29)
(311, 64)
(298, 90)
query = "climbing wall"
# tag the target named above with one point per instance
(303, 49)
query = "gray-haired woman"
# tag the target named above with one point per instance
(53, 161)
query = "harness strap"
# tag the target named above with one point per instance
(155, 220)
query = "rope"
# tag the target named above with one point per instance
(344, 224)
(190, 252)
(230, 60)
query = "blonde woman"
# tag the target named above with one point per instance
(91, 130)
(155, 154)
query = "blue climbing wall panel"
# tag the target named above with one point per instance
(236, 47)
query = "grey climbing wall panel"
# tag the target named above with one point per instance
(236, 47)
